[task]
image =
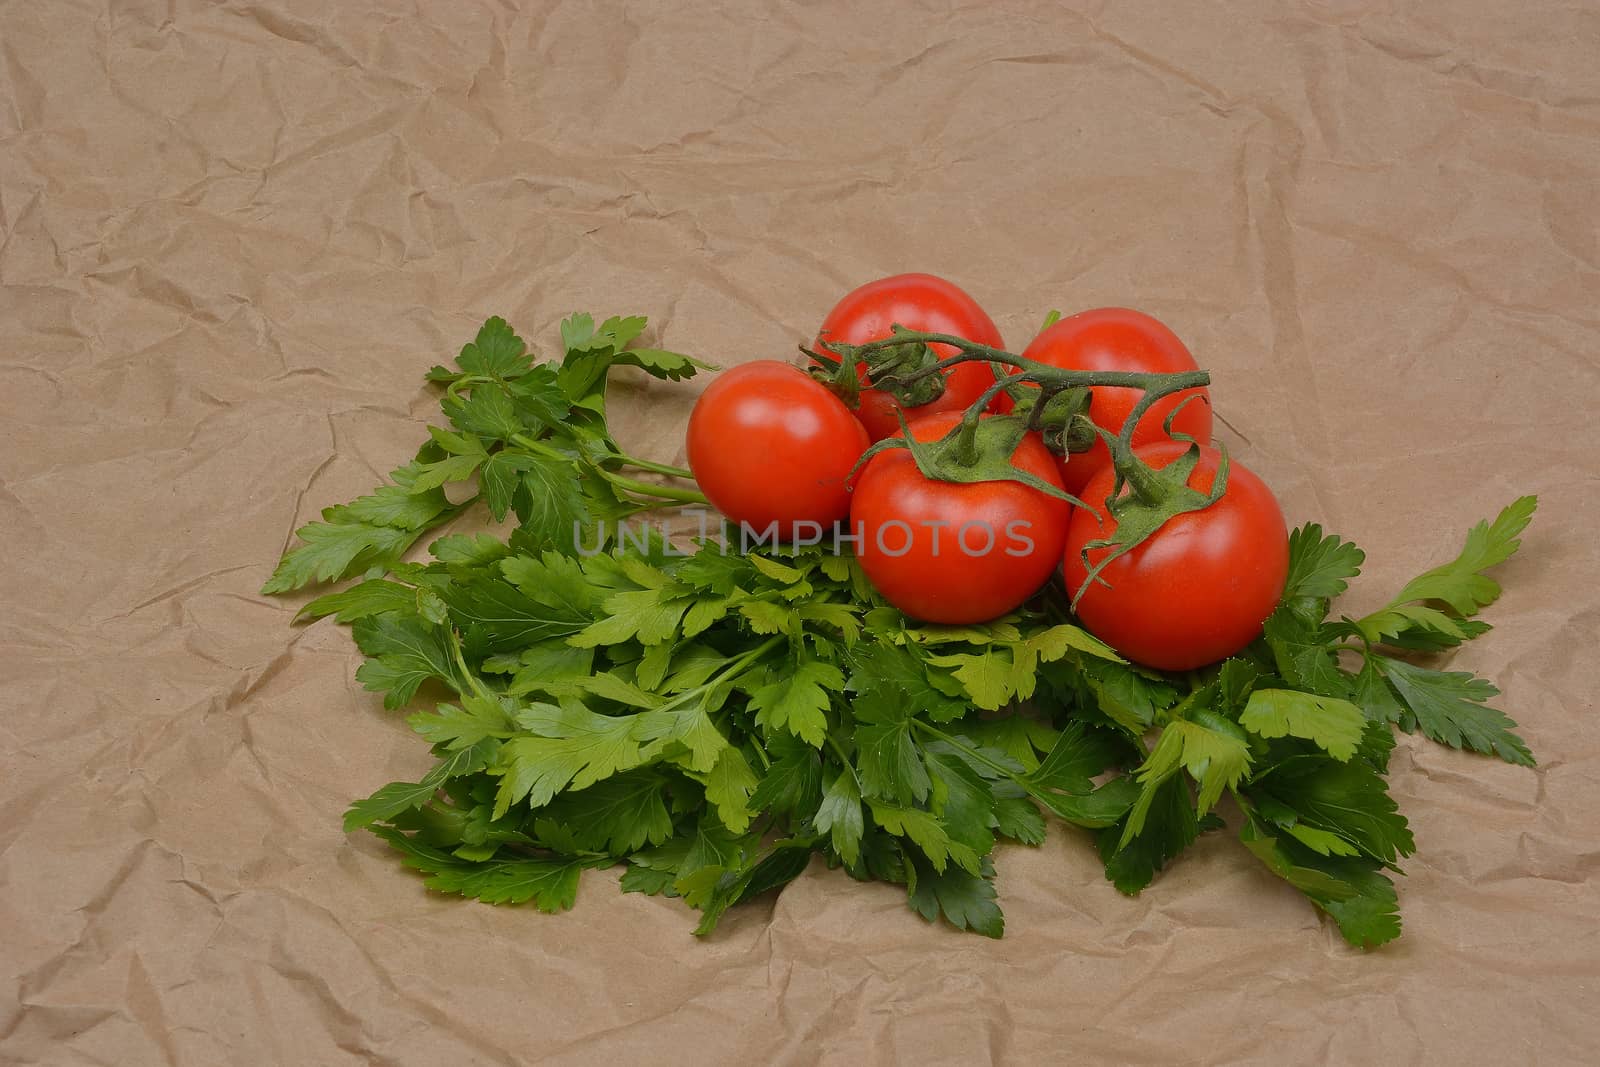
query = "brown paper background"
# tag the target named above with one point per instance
(232, 237)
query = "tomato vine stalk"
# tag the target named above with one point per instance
(1056, 404)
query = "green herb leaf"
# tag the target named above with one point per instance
(794, 781)
(477, 718)
(1450, 708)
(618, 815)
(550, 503)
(500, 478)
(840, 816)
(1334, 725)
(1170, 825)
(335, 550)
(1078, 755)
(728, 788)
(1461, 582)
(1018, 819)
(882, 667)
(1215, 760)
(497, 352)
(1103, 807)
(553, 580)
(373, 597)
(673, 366)
(468, 550)
(887, 754)
(570, 747)
(552, 885)
(634, 615)
(495, 616)
(1021, 737)
(487, 412)
(961, 798)
(965, 898)
(1353, 892)
(403, 652)
(926, 831)
(1348, 799)
(397, 797)
(799, 701)
(1304, 659)
(1319, 565)
(1126, 696)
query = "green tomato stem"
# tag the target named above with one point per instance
(1035, 371)
(1050, 380)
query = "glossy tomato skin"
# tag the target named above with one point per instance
(768, 443)
(1121, 339)
(917, 302)
(944, 575)
(1199, 588)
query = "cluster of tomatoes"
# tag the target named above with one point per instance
(775, 449)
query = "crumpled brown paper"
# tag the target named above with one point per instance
(232, 237)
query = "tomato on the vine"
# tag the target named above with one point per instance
(1199, 588)
(1121, 339)
(917, 302)
(768, 443)
(948, 552)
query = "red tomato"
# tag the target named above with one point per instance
(917, 302)
(769, 443)
(956, 553)
(1121, 339)
(1199, 588)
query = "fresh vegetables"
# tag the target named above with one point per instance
(957, 553)
(915, 302)
(1126, 340)
(1200, 587)
(768, 444)
(715, 720)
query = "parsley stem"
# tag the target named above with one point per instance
(730, 668)
(968, 750)
(652, 466)
(838, 750)
(467, 674)
(663, 492)
(646, 505)
(1181, 708)
(532, 444)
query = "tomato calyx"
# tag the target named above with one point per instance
(1143, 498)
(1062, 418)
(974, 450)
(839, 375)
(908, 370)
(1053, 402)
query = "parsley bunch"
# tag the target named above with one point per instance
(714, 719)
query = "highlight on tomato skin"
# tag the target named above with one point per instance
(1200, 588)
(912, 545)
(922, 302)
(768, 443)
(1122, 339)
